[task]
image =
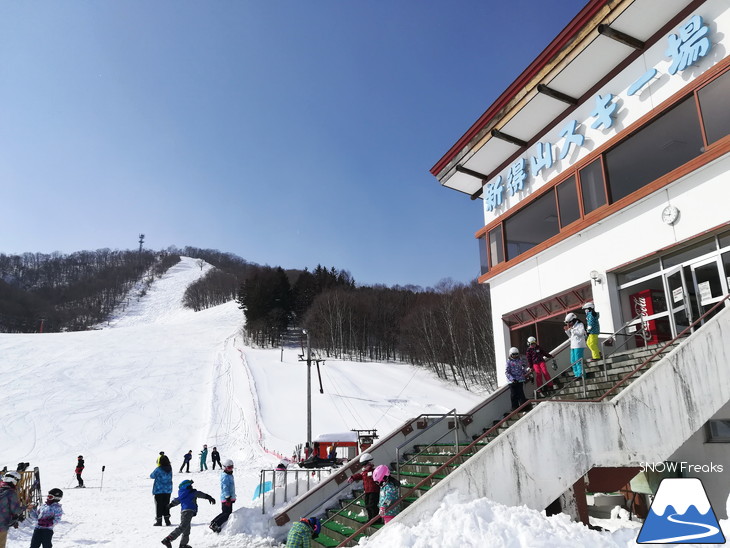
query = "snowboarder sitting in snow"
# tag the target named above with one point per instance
(79, 470)
(302, 532)
(187, 499)
(372, 491)
(48, 515)
(10, 509)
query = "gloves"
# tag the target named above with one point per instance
(350, 479)
(211, 500)
(381, 513)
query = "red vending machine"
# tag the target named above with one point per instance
(647, 303)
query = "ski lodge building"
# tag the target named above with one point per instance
(604, 173)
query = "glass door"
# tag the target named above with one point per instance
(678, 300)
(710, 285)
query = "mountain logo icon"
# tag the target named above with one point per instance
(681, 513)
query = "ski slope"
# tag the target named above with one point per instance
(159, 377)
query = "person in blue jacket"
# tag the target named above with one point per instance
(162, 489)
(187, 498)
(228, 496)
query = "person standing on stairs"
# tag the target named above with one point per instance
(593, 328)
(576, 332)
(162, 490)
(372, 491)
(536, 357)
(389, 492)
(516, 373)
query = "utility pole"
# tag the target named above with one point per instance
(309, 389)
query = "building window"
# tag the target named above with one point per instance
(568, 202)
(483, 261)
(531, 225)
(713, 104)
(666, 143)
(496, 251)
(693, 251)
(591, 186)
(718, 431)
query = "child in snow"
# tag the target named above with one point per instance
(204, 458)
(79, 469)
(162, 489)
(372, 491)
(187, 499)
(10, 509)
(389, 492)
(228, 496)
(187, 457)
(302, 532)
(48, 515)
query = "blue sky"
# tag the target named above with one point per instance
(288, 132)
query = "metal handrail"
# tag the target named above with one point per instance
(524, 407)
(641, 332)
(456, 444)
(296, 471)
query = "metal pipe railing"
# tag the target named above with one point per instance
(308, 472)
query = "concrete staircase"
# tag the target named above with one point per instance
(637, 423)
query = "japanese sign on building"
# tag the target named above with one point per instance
(683, 49)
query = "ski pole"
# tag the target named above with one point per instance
(102, 477)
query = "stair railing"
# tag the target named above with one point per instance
(640, 332)
(410, 443)
(527, 406)
(353, 502)
(308, 472)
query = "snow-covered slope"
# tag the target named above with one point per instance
(163, 378)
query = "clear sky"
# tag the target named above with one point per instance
(288, 132)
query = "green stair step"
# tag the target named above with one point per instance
(324, 540)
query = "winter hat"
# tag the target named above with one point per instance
(185, 484)
(12, 478)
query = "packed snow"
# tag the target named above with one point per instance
(159, 377)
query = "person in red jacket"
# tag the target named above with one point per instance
(372, 491)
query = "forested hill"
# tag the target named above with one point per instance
(56, 292)
(445, 329)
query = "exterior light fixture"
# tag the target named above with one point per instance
(596, 277)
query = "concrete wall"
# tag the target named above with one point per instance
(558, 442)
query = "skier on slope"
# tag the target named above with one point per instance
(79, 469)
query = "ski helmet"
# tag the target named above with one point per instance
(228, 463)
(513, 352)
(531, 340)
(185, 484)
(587, 306)
(55, 493)
(316, 526)
(12, 477)
(365, 457)
(380, 473)
(570, 317)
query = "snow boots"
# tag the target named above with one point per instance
(158, 522)
(215, 527)
(167, 520)
(167, 541)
